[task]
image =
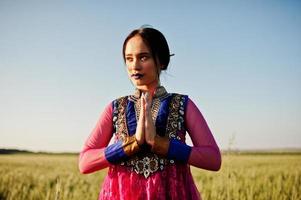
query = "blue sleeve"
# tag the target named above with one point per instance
(121, 150)
(114, 153)
(178, 151)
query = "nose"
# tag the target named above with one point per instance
(136, 65)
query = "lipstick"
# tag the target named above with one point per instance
(137, 76)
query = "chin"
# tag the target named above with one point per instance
(138, 83)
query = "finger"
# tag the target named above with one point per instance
(148, 101)
(148, 98)
(142, 107)
(140, 126)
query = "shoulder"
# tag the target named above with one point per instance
(179, 95)
(180, 98)
(119, 99)
(185, 102)
(119, 103)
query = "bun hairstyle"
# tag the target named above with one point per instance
(156, 43)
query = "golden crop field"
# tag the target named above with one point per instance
(29, 176)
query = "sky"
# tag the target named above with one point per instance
(61, 64)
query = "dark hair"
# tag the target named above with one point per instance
(156, 43)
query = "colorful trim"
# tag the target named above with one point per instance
(168, 112)
(161, 120)
(131, 118)
(178, 151)
(121, 150)
(175, 121)
(119, 117)
(115, 153)
(160, 117)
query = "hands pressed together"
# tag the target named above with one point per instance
(146, 130)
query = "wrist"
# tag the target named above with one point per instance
(151, 141)
(160, 145)
(130, 145)
(139, 140)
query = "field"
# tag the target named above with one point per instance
(254, 176)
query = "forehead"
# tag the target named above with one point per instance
(136, 45)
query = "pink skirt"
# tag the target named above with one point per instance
(174, 182)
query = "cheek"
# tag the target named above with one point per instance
(128, 73)
(151, 69)
(128, 70)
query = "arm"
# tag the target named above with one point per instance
(92, 156)
(205, 152)
(96, 153)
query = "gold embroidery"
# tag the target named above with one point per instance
(121, 127)
(154, 108)
(172, 120)
(137, 106)
(146, 162)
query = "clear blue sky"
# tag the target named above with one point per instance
(61, 63)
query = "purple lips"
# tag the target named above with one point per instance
(137, 76)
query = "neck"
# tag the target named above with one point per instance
(151, 88)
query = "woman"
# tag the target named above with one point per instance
(149, 158)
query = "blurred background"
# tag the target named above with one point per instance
(61, 64)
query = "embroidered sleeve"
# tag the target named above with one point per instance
(172, 149)
(170, 146)
(178, 151)
(121, 150)
(205, 152)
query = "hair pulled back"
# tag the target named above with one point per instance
(156, 43)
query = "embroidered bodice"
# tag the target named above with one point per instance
(168, 114)
(135, 172)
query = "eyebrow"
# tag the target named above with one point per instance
(139, 54)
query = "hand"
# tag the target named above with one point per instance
(140, 130)
(150, 129)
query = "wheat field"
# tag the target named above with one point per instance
(30, 176)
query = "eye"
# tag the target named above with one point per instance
(143, 58)
(128, 59)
